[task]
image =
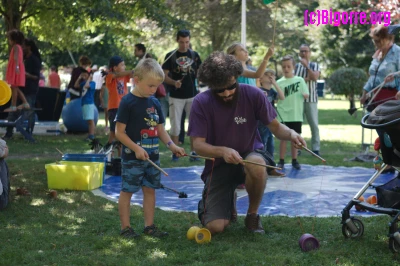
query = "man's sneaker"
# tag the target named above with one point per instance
(175, 158)
(316, 152)
(192, 159)
(253, 223)
(152, 230)
(296, 165)
(281, 165)
(129, 233)
(234, 211)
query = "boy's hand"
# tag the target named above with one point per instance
(178, 151)
(272, 79)
(141, 154)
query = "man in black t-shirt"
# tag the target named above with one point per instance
(181, 83)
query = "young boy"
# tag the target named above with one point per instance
(116, 83)
(88, 88)
(290, 110)
(139, 126)
(266, 82)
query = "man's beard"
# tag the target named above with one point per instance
(232, 98)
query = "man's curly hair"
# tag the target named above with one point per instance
(218, 69)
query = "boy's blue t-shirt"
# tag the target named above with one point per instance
(88, 98)
(272, 95)
(141, 117)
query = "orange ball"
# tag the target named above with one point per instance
(372, 199)
(359, 208)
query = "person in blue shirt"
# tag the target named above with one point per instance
(140, 127)
(267, 82)
(88, 88)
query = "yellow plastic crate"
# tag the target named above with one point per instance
(75, 175)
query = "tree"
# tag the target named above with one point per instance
(68, 24)
(347, 81)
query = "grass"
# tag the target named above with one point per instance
(79, 228)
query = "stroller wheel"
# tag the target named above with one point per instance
(348, 233)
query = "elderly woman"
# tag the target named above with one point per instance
(385, 62)
(4, 176)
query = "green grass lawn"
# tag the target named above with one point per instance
(79, 228)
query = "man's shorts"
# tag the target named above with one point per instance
(296, 126)
(218, 196)
(88, 111)
(112, 113)
(138, 173)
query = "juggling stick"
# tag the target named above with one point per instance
(319, 157)
(181, 194)
(157, 167)
(201, 157)
(267, 166)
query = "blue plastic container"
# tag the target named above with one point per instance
(89, 157)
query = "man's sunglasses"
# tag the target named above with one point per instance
(232, 87)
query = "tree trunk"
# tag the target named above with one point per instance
(352, 103)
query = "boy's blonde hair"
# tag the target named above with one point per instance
(149, 68)
(288, 57)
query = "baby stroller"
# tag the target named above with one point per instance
(386, 119)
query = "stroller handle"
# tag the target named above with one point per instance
(375, 126)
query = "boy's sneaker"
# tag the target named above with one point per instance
(175, 158)
(129, 233)
(152, 230)
(281, 164)
(192, 159)
(253, 223)
(316, 152)
(296, 165)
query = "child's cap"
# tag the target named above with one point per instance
(268, 70)
(115, 60)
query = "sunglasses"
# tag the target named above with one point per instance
(232, 87)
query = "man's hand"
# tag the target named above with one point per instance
(178, 84)
(232, 156)
(297, 140)
(304, 62)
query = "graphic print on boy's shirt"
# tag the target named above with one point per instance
(291, 88)
(149, 136)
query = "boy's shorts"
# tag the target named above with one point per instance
(296, 126)
(219, 194)
(138, 173)
(88, 111)
(112, 113)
